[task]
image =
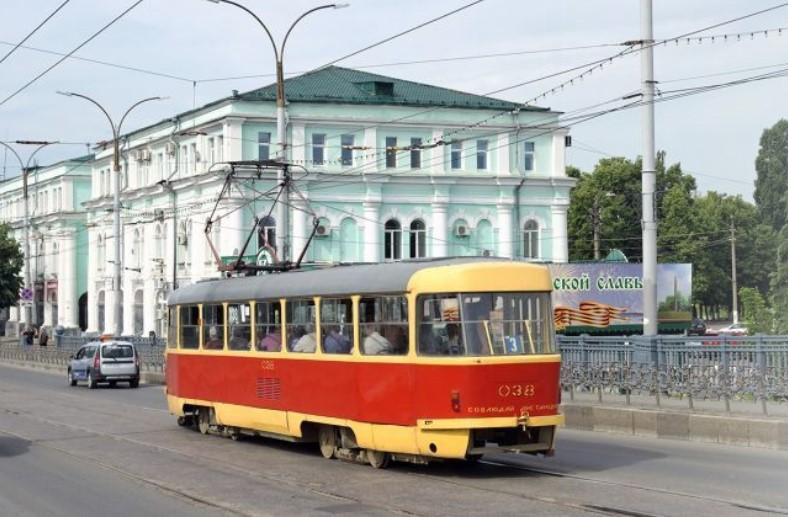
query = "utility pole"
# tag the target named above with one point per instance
(648, 172)
(28, 309)
(595, 223)
(284, 178)
(735, 295)
(117, 277)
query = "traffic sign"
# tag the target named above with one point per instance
(26, 294)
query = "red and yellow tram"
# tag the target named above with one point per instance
(410, 361)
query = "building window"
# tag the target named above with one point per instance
(418, 234)
(219, 148)
(531, 239)
(528, 156)
(347, 150)
(266, 235)
(263, 145)
(393, 240)
(160, 166)
(391, 152)
(318, 148)
(415, 153)
(456, 155)
(481, 155)
(195, 157)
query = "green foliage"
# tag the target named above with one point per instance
(757, 315)
(11, 260)
(779, 284)
(771, 183)
(675, 303)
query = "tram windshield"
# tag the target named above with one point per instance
(476, 324)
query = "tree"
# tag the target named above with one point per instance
(757, 315)
(779, 284)
(771, 182)
(11, 260)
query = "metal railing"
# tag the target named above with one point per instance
(687, 368)
(61, 348)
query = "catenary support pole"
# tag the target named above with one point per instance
(648, 172)
(734, 288)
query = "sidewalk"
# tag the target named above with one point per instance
(145, 377)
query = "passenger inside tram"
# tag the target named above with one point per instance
(239, 339)
(307, 342)
(374, 343)
(213, 342)
(271, 341)
(335, 342)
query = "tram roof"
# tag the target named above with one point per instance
(390, 277)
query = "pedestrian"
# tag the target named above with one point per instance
(152, 337)
(29, 335)
(43, 337)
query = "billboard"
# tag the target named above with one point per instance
(608, 297)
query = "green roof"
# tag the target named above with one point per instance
(334, 84)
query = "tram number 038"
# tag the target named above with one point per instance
(516, 390)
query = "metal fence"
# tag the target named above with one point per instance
(61, 348)
(720, 368)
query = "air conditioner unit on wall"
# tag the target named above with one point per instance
(145, 155)
(170, 148)
(322, 231)
(462, 230)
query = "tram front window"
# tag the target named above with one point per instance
(475, 324)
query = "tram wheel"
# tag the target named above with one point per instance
(204, 420)
(378, 459)
(327, 438)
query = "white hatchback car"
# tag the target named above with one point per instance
(105, 361)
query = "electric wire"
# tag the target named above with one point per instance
(30, 34)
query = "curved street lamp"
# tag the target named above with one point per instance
(116, 284)
(281, 132)
(28, 310)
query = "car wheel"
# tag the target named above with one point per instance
(71, 380)
(92, 384)
(134, 383)
(112, 384)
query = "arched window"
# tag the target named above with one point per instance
(418, 238)
(531, 239)
(138, 312)
(393, 240)
(266, 232)
(483, 238)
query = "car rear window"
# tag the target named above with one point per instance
(117, 351)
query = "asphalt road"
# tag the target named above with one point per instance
(74, 451)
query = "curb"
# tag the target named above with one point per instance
(708, 428)
(55, 369)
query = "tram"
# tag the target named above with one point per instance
(409, 361)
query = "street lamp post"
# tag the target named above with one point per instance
(116, 283)
(28, 309)
(283, 211)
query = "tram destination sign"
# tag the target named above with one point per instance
(608, 297)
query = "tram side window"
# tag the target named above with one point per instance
(269, 326)
(190, 327)
(172, 328)
(213, 327)
(336, 325)
(383, 323)
(239, 319)
(301, 326)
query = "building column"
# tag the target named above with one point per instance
(92, 280)
(298, 143)
(301, 228)
(440, 229)
(504, 153)
(559, 233)
(505, 238)
(67, 296)
(128, 304)
(109, 303)
(232, 231)
(372, 231)
(558, 168)
(434, 156)
(232, 131)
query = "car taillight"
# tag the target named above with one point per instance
(137, 361)
(97, 361)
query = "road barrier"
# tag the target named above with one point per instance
(717, 368)
(150, 351)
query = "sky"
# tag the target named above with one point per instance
(714, 135)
